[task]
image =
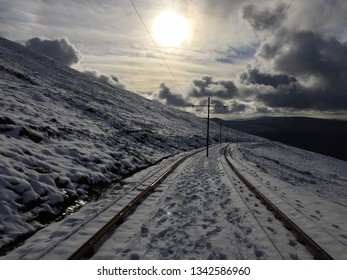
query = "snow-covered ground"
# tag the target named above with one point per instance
(310, 188)
(203, 211)
(65, 136)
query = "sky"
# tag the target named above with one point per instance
(264, 57)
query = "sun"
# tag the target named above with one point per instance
(171, 29)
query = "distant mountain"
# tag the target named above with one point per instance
(66, 136)
(328, 137)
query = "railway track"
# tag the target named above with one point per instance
(87, 249)
(317, 251)
(94, 242)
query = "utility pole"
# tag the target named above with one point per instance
(208, 125)
(208, 121)
(220, 132)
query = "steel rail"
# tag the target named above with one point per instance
(87, 248)
(318, 251)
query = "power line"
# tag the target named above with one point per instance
(208, 119)
(156, 46)
(276, 26)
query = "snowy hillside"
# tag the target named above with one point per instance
(65, 136)
(203, 210)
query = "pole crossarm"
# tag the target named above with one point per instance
(193, 105)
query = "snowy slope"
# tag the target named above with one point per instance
(203, 210)
(65, 136)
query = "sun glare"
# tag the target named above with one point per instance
(171, 29)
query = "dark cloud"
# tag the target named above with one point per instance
(60, 50)
(318, 63)
(263, 110)
(254, 76)
(238, 107)
(205, 87)
(219, 107)
(301, 97)
(112, 79)
(307, 53)
(296, 97)
(231, 107)
(262, 19)
(298, 69)
(234, 107)
(171, 98)
(224, 107)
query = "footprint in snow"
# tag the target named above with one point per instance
(134, 256)
(167, 199)
(259, 253)
(319, 213)
(272, 230)
(144, 231)
(213, 232)
(344, 236)
(315, 217)
(217, 256)
(294, 256)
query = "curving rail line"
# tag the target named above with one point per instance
(318, 251)
(87, 248)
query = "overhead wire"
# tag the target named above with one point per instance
(166, 63)
(273, 31)
(276, 26)
(156, 46)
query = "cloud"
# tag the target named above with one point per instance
(232, 107)
(323, 16)
(60, 50)
(262, 19)
(318, 63)
(205, 87)
(170, 98)
(298, 69)
(254, 76)
(110, 79)
(234, 54)
(307, 53)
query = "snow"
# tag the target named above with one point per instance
(202, 211)
(310, 188)
(199, 215)
(66, 136)
(70, 142)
